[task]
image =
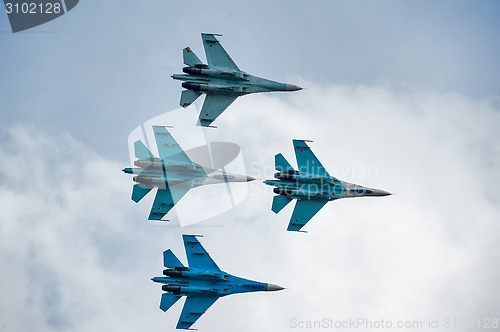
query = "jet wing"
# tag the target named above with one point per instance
(197, 256)
(168, 148)
(194, 308)
(216, 54)
(303, 212)
(139, 192)
(166, 199)
(307, 161)
(213, 106)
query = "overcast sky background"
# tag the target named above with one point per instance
(408, 90)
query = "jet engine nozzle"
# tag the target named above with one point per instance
(192, 70)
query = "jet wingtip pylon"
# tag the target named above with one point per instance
(211, 34)
(195, 235)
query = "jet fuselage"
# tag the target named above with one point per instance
(186, 281)
(202, 282)
(298, 185)
(154, 172)
(221, 81)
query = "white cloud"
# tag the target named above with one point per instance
(67, 238)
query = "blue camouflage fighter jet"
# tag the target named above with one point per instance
(221, 80)
(202, 282)
(310, 185)
(173, 173)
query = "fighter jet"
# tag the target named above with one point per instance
(311, 186)
(221, 80)
(173, 173)
(202, 282)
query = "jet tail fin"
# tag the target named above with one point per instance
(188, 97)
(190, 59)
(279, 202)
(170, 260)
(168, 300)
(141, 151)
(139, 192)
(281, 164)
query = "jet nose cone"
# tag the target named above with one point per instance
(291, 87)
(249, 178)
(378, 192)
(273, 287)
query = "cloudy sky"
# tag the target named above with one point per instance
(401, 96)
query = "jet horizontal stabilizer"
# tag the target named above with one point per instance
(188, 97)
(139, 192)
(190, 59)
(170, 260)
(279, 202)
(281, 164)
(168, 300)
(141, 151)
